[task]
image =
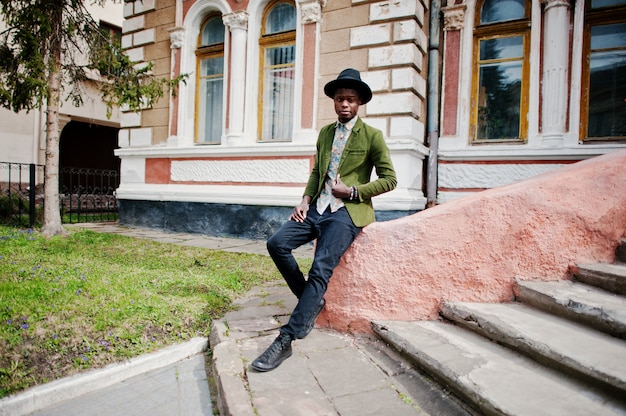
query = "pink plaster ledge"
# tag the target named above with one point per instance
(473, 248)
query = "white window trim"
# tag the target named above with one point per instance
(255, 10)
(459, 146)
(185, 135)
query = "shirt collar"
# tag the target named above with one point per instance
(349, 124)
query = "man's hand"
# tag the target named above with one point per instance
(300, 211)
(340, 189)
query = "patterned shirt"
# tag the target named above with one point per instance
(342, 133)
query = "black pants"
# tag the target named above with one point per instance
(334, 232)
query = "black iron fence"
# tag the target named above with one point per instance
(88, 195)
(21, 198)
(85, 195)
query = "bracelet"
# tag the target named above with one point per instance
(354, 193)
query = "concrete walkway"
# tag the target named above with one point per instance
(330, 373)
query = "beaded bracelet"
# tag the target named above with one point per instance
(354, 193)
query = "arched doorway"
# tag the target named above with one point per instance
(90, 146)
(89, 172)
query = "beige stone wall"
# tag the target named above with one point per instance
(146, 37)
(338, 18)
(387, 42)
(384, 40)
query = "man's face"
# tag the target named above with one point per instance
(347, 103)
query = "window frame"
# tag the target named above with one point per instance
(113, 32)
(595, 17)
(268, 41)
(201, 53)
(504, 29)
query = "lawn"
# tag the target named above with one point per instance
(83, 301)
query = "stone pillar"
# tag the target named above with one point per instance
(453, 23)
(310, 18)
(555, 71)
(237, 23)
(177, 38)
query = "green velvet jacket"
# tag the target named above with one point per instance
(365, 151)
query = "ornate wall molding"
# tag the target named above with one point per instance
(241, 171)
(236, 20)
(454, 17)
(311, 12)
(556, 3)
(177, 37)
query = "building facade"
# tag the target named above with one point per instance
(528, 86)
(22, 135)
(486, 93)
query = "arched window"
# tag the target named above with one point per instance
(603, 103)
(277, 77)
(210, 81)
(501, 67)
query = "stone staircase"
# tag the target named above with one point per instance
(559, 349)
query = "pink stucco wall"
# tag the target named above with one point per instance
(472, 249)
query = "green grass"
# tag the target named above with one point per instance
(90, 299)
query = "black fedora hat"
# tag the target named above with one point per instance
(349, 78)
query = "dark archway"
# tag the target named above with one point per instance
(89, 172)
(89, 146)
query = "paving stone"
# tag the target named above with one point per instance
(254, 325)
(290, 375)
(355, 368)
(324, 340)
(282, 402)
(384, 401)
(255, 312)
(149, 393)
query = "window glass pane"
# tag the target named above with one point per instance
(596, 4)
(608, 36)
(502, 48)
(502, 10)
(211, 96)
(607, 81)
(213, 32)
(278, 93)
(282, 18)
(499, 101)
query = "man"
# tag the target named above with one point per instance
(335, 207)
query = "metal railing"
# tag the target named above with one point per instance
(88, 195)
(19, 201)
(85, 195)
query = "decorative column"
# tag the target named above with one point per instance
(453, 23)
(177, 38)
(237, 23)
(555, 71)
(310, 18)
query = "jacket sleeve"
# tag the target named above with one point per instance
(380, 158)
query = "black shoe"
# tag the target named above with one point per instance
(274, 355)
(309, 325)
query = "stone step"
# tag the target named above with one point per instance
(584, 304)
(560, 343)
(490, 377)
(610, 277)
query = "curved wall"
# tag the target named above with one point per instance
(473, 248)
